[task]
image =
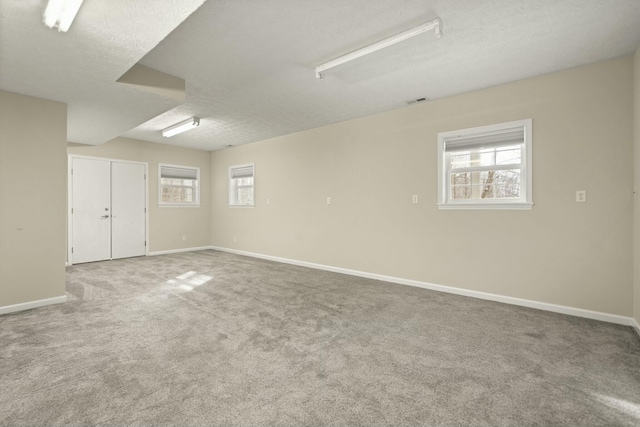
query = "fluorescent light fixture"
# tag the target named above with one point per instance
(181, 127)
(61, 13)
(434, 24)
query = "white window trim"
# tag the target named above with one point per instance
(231, 205)
(527, 177)
(195, 204)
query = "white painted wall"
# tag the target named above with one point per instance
(578, 255)
(636, 206)
(560, 252)
(33, 188)
(167, 225)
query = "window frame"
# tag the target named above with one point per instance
(196, 201)
(231, 187)
(526, 179)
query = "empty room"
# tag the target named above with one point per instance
(319, 213)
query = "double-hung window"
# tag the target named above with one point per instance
(241, 185)
(178, 185)
(487, 167)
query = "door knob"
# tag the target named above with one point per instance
(104, 216)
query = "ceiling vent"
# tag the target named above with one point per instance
(418, 100)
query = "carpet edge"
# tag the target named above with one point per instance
(539, 305)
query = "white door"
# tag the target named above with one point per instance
(91, 210)
(128, 203)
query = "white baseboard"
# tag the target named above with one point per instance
(176, 251)
(32, 304)
(636, 327)
(579, 312)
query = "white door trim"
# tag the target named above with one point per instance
(70, 158)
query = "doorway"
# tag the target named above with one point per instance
(108, 209)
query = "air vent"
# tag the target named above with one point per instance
(418, 100)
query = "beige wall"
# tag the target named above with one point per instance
(561, 252)
(636, 208)
(32, 198)
(167, 224)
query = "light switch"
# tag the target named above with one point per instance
(414, 199)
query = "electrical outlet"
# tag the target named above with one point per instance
(581, 196)
(184, 238)
(414, 199)
(268, 201)
(234, 239)
(328, 200)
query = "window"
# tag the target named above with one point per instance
(241, 185)
(487, 167)
(178, 185)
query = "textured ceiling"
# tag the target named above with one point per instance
(249, 64)
(81, 67)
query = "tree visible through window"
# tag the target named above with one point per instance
(468, 181)
(178, 185)
(488, 166)
(241, 185)
(178, 190)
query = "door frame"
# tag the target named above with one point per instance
(70, 158)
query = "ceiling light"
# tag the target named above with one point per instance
(61, 13)
(181, 127)
(434, 24)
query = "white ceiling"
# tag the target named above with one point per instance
(249, 64)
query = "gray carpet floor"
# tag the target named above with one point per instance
(210, 338)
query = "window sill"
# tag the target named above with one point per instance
(487, 206)
(178, 205)
(242, 206)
